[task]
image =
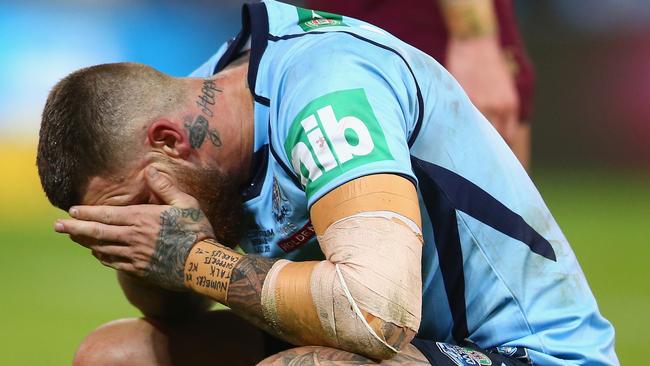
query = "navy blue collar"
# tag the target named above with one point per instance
(255, 26)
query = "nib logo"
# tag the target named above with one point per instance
(333, 134)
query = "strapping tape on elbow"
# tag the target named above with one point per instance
(371, 278)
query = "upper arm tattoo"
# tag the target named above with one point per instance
(245, 290)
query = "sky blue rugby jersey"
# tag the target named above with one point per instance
(337, 99)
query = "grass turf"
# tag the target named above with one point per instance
(54, 292)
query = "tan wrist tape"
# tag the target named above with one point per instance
(469, 18)
(208, 268)
(288, 305)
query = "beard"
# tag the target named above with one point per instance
(219, 199)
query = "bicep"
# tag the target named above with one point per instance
(390, 194)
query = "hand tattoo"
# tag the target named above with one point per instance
(178, 233)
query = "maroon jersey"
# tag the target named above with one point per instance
(420, 23)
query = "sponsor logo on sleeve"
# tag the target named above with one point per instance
(332, 135)
(463, 356)
(298, 239)
(314, 19)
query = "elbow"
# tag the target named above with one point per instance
(392, 338)
(384, 329)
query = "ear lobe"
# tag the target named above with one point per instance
(168, 136)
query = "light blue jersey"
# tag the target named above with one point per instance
(337, 99)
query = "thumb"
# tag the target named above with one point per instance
(165, 189)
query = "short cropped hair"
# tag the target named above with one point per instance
(91, 122)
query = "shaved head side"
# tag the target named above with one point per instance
(92, 122)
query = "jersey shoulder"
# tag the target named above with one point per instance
(338, 113)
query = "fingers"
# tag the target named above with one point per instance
(89, 229)
(164, 188)
(115, 262)
(111, 215)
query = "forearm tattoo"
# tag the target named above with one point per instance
(199, 129)
(173, 245)
(245, 291)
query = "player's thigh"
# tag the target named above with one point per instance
(215, 338)
(313, 355)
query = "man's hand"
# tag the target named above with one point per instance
(481, 69)
(149, 241)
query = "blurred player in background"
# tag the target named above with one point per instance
(476, 40)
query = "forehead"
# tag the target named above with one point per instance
(115, 191)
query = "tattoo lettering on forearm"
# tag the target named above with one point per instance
(208, 269)
(229, 277)
(173, 245)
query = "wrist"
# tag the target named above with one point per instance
(470, 19)
(208, 268)
(480, 47)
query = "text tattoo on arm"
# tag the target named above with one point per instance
(199, 129)
(229, 277)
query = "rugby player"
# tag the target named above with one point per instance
(382, 216)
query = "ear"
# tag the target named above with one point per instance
(169, 137)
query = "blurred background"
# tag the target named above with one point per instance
(591, 150)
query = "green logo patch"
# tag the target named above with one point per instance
(333, 134)
(313, 19)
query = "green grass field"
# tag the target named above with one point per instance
(54, 292)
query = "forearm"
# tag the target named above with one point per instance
(469, 19)
(156, 302)
(354, 305)
(230, 278)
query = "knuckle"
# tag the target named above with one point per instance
(164, 185)
(107, 215)
(97, 232)
(140, 266)
(121, 237)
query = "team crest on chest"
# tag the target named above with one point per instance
(280, 206)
